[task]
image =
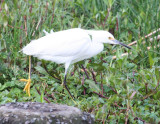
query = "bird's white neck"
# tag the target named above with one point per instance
(96, 47)
(96, 36)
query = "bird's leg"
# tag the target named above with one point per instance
(65, 85)
(28, 84)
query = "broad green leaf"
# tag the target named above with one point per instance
(41, 70)
(93, 85)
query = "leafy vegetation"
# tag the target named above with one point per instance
(121, 90)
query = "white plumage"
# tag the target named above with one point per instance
(69, 46)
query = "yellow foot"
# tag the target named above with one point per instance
(28, 84)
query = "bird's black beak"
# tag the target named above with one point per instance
(118, 42)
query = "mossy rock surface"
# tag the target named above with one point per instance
(42, 113)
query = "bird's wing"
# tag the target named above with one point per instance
(63, 43)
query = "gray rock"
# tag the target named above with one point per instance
(42, 113)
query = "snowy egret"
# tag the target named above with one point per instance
(67, 47)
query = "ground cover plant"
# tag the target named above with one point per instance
(115, 88)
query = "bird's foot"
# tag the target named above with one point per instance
(27, 86)
(72, 97)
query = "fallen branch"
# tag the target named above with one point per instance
(151, 39)
(150, 34)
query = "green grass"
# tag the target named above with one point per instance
(128, 86)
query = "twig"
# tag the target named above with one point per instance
(93, 76)
(84, 91)
(117, 105)
(78, 71)
(103, 60)
(46, 7)
(113, 89)
(126, 118)
(148, 48)
(137, 118)
(51, 96)
(30, 9)
(127, 77)
(38, 91)
(85, 71)
(109, 9)
(102, 84)
(52, 16)
(119, 108)
(108, 115)
(37, 26)
(131, 97)
(46, 99)
(151, 39)
(152, 93)
(146, 86)
(15, 27)
(44, 66)
(156, 86)
(150, 34)
(1, 5)
(25, 24)
(20, 41)
(100, 95)
(117, 24)
(45, 88)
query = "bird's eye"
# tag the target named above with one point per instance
(110, 38)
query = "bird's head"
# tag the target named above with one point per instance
(112, 40)
(106, 37)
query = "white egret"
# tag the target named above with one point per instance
(67, 47)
